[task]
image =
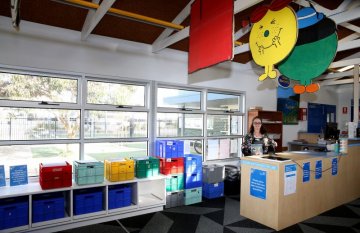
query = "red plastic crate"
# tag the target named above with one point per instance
(171, 165)
(55, 176)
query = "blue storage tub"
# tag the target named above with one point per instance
(169, 148)
(14, 212)
(192, 164)
(213, 190)
(192, 180)
(119, 196)
(88, 201)
(48, 206)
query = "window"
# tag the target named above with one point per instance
(52, 117)
(181, 114)
(224, 125)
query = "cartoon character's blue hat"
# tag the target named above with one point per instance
(308, 16)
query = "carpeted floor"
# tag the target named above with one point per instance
(221, 215)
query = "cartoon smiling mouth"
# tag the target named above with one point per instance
(275, 41)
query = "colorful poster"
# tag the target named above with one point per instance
(18, 175)
(306, 172)
(318, 169)
(288, 104)
(334, 166)
(2, 176)
(290, 179)
(258, 183)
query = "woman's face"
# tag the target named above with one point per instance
(257, 124)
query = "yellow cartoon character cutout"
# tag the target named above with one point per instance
(273, 35)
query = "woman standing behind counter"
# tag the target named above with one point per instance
(257, 136)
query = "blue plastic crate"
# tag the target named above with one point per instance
(193, 180)
(192, 164)
(213, 190)
(48, 206)
(119, 196)
(88, 201)
(14, 212)
(169, 148)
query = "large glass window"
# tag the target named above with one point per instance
(178, 98)
(37, 88)
(114, 124)
(107, 150)
(115, 94)
(39, 124)
(179, 125)
(225, 102)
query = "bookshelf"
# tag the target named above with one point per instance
(272, 121)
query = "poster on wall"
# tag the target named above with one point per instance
(288, 104)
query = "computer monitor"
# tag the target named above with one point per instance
(331, 131)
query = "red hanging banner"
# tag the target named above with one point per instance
(211, 33)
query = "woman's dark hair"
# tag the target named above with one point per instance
(262, 129)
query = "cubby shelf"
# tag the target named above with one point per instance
(148, 195)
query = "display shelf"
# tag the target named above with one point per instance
(148, 195)
(51, 222)
(123, 209)
(272, 122)
(17, 229)
(94, 214)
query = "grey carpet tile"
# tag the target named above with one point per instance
(207, 225)
(333, 221)
(159, 223)
(356, 210)
(356, 230)
(232, 211)
(309, 229)
(355, 202)
(248, 230)
(331, 228)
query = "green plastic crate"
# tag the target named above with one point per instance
(147, 167)
(193, 196)
(174, 182)
(88, 172)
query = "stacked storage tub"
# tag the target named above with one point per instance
(88, 172)
(213, 181)
(193, 178)
(170, 153)
(146, 167)
(122, 169)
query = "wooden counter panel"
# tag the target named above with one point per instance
(311, 198)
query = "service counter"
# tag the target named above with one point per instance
(297, 185)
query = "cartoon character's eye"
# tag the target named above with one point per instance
(273, 21)
(261, 27)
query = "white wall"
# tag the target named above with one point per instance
(44, 47)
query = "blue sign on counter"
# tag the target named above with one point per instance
(334, 166)
(306, 172)
(318, 169)
(2, 175)
(258, 183)
(18, 175)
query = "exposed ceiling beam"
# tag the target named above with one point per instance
(347, 62)
(162, 42)
(166, 42)
(346, 16)
(334, 75)
(337, 82)
(241, 32)
(351, 27)
(348, 45)
(94, 18)
(350, 37)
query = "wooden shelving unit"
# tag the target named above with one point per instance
(272, 121)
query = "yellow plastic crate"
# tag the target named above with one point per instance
(119, 169)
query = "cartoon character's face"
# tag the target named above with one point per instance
(273, 37)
